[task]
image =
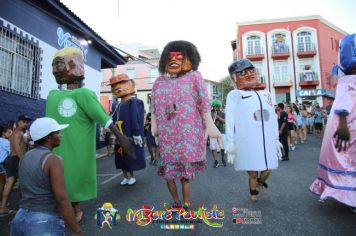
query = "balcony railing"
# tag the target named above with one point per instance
(281, 81)
(308, 78)
(280, 49)
(256, 54)
(280, 52)
(306, 50)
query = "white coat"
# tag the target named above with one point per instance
(255, 139)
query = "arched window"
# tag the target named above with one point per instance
(279, 43)
(304, 42)
(254, 45)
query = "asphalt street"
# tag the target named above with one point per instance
(286, 208)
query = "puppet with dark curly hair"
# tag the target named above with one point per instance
(181, 117)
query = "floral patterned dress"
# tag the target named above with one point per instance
(178, 105)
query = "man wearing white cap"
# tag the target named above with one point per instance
(44, 197)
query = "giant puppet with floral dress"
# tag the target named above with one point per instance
(251, 127)
(181, 117)
(128, 116)
(80, 108)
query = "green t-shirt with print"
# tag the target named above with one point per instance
(80, 109)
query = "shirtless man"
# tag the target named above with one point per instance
(18, 149)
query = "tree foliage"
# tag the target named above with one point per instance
(225, 86)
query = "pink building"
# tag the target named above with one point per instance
(142, 67)
(294, 56)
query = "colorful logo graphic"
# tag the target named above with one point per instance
(107, 215)
(147, 214)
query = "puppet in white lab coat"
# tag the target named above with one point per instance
(251, 127)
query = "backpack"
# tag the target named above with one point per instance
(347, 53)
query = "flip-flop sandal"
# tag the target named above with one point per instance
(79, 216)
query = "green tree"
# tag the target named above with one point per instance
(225, 86)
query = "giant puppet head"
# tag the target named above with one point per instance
(122, 86)
(347, 54)
(243, 74)
(68, 66)
(178, 58)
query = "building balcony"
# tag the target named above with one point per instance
(262, 83)
(306, 50)
(308, 78)
(280, 81)
(280, 52)
(255, 55)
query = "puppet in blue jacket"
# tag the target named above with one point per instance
(128, 116)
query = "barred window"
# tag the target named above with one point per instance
(19, 64)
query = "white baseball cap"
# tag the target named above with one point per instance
(42, 127)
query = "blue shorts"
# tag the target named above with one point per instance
(28, 222)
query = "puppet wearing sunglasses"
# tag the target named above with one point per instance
(181, 117)
(251, 127)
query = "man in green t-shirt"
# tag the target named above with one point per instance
(80, 108)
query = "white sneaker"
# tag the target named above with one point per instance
(131, 181)
(293, 147)
(124, 181)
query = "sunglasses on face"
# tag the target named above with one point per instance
(176, 55)
(244, 72)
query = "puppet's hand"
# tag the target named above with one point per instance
(230, 158)
(210, 130)
(138, 140)
(154, 129)
(342, 136)
(279, 150)
(230, 152)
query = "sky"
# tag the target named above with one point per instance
(209, 24)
